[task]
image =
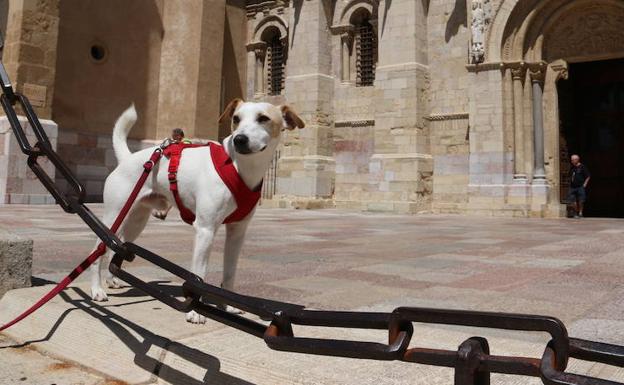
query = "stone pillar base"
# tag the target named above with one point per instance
(519, 194)
(18, 184)
(539, 198)
(306, 178)
(291, 202)
(399, 183)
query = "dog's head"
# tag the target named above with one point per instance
(256, 126)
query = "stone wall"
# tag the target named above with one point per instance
(91, 158)
(108, 58)
(450, 150)
(353, 148)
(30, 50)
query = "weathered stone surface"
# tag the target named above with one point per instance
(18, 184)
(15, 261)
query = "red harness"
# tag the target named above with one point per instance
(245, 198)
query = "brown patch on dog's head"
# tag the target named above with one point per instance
(230, 109)
(291, 119)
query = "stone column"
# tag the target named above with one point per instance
(191, 57)
(306, 169)
(259, 79)
(537, 74)
(346, 41)
(518, 72)
(401, 167)
(30, 60)
(30, 51)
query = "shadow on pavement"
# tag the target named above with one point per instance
(173, 289)
(119, 326)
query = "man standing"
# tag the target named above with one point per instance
(177, 135)
(579, 177)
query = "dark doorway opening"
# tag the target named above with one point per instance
(591, 107)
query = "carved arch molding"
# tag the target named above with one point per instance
(572, 30)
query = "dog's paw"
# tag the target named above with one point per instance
(98, 294)
(113, 282)
(195, 318)
(162, 215)
(231, 310)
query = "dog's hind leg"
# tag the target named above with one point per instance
(130, 231)
(97, 291)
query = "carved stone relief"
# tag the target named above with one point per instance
(591, 30)
(481, 17)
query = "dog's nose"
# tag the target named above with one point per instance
(241, 140)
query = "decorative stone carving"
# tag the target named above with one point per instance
(481, 14)
(537, 72)
(591, 30)
(561, 69)
(518, 70)
(453, 116)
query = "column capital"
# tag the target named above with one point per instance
(561, 69)
(518, 70)
(342, 29)
(537, 71)
(258, 47)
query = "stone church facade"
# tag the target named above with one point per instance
(447, 106)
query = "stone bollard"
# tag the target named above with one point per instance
(15, 261)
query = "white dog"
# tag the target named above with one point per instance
(256, 131)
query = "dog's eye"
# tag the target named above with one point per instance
(235, 119)
(263, 119)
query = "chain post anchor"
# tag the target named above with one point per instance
(469, 355)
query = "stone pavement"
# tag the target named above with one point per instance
(571, 269)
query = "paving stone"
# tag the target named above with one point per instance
(329, 260)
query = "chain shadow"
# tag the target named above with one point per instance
(119, 326)
(164, 285)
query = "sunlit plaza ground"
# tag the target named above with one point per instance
(568, 268)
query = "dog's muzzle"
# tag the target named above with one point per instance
(241, 144)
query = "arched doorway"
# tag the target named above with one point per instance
(591, 105)
(572, 50)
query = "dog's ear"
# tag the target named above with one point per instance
(229, 110)
(291, 119)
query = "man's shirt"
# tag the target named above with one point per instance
(578, 175)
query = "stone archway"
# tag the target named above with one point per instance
(535, 40)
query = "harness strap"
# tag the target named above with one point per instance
(174, 153)
(101, 247)
(245, 198)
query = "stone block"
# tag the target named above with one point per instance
(20, 183)
(15, 261)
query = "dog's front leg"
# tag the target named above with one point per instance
(234, 237)
(204, 237)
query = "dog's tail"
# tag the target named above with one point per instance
(120, 133)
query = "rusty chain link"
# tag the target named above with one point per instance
(472, 361)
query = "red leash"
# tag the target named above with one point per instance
(101, 248)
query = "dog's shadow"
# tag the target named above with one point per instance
(121, 328)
